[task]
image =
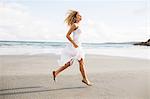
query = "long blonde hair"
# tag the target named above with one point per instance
(71, 18)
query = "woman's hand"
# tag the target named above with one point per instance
(75, 45)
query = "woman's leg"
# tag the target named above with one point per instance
(83, 72)
(63, 68)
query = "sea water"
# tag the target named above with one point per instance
(125, 49)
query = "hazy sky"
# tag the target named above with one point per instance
(103, 20)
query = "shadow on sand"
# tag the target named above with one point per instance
(32, 89)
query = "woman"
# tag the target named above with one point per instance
(73, 51)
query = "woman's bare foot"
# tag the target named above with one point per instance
(86, 82)
(54, 75)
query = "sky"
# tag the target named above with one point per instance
(102, 20)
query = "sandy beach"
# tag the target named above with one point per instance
(113, 77)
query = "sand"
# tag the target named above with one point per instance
(113, 77)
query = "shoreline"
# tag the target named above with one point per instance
(93, 63)
(89, 54)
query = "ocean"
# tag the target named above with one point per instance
(125, 49)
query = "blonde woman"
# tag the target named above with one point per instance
(73, 51)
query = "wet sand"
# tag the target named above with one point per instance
(29, 77)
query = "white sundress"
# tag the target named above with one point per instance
(70, 53)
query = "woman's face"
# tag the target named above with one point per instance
(78, 16)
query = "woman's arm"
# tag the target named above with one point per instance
(72, 28)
